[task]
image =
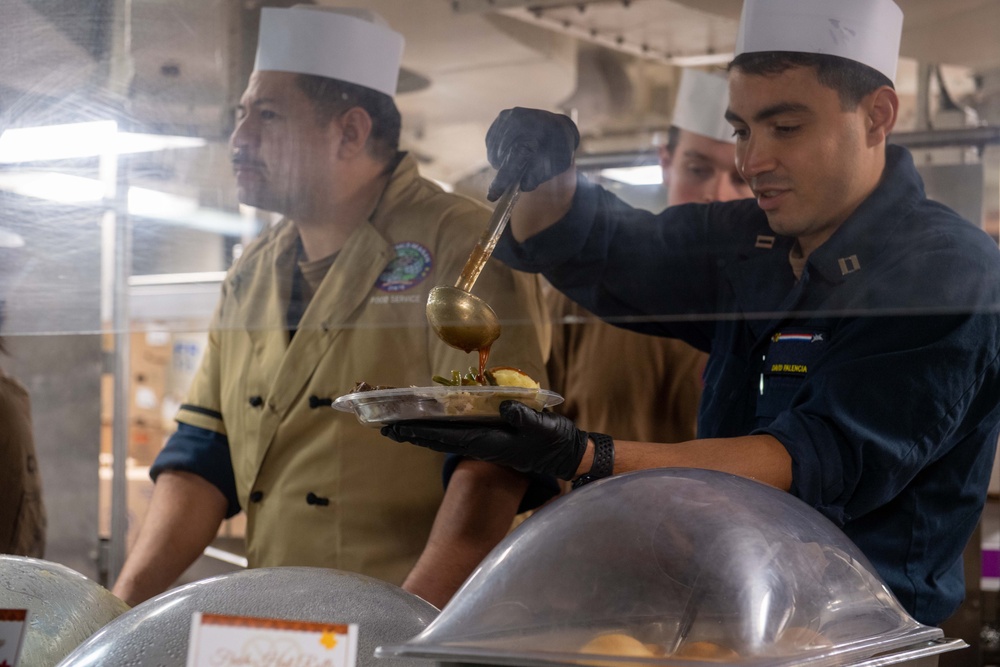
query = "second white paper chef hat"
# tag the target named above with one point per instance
(866, 31)
(352, 45)
(700, 106)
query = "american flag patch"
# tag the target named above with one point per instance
(801, 337)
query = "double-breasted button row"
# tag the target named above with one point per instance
(314, 402)
(317, 402)
(313, 499)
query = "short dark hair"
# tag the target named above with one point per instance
(673, 137)
(852, 80)
(333, 98)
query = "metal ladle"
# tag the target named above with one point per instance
(459, 318)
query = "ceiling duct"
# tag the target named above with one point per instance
(189, 61)
(479, 6)
(87, 24)
(620, 101)
(683, 34)
(604, 90)
(988, 96)
(49, 51)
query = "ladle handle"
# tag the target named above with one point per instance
(488, 241)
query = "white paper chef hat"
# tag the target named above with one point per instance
(352, 45)
(866, 31)
(701, 103)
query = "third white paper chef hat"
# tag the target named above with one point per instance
(701, 103)
(866, 31)
(352, 45)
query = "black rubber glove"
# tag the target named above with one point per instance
(527, 440)
(538, 143)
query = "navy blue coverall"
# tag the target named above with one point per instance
(877, 370)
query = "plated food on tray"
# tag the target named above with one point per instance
(469, 397)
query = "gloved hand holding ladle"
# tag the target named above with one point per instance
(527, 147)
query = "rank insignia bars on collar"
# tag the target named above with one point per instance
(849, 264)
(763, 241)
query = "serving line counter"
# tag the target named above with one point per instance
(664, 568)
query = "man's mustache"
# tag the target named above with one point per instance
(768, 182)
(243, 160)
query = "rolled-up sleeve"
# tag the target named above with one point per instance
(204, 453)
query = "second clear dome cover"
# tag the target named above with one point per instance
(668, 567)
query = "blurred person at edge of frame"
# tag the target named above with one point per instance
(333, 294)
(22, 509)
(852, 324)
(649, 389)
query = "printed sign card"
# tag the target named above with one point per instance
(229, 641)
(13, 623)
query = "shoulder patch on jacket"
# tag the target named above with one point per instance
(413, 263)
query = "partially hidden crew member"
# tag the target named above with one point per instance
(615, 380)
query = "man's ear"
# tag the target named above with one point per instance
(355, 128)
(882, 109)
(666, 159)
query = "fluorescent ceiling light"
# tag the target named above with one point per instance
(647, 175)
(10, 239)
(160, 279)
(142, 202)
(132, 142)
(56, 142)
(702, 60)
(61, 188)
(186, 212)
(76, 140)
(159, 205)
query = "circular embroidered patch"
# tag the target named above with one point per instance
(411, 265)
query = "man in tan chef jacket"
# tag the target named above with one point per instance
(333, 294)
(649, 388)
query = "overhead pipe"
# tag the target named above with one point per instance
(967, 137)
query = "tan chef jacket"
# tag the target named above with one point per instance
(626, 384)
(318, 488)
(22, 513)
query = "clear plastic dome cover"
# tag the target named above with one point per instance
(64, 607)
(671, 567)
(155, 633)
